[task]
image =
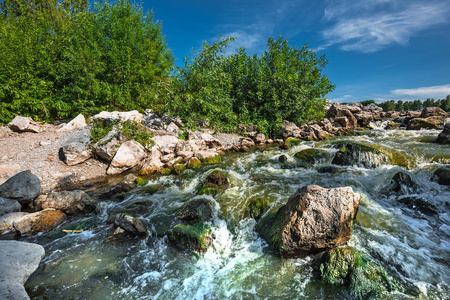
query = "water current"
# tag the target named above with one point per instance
(411, 245)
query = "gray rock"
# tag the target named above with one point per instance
(70, 202)
(76, 148)
(7, 220)
(23, 187)
(107, 146)
(129, 155)
(78, 122)
(21, 124)
(130, 224)
(106, 116)
(152, 163)
(288, 130)
(444, 136)
(18, 260)
(8, 206)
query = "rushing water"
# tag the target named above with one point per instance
(412, 246)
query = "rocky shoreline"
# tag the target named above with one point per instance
(45, 168)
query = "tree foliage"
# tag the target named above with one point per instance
(284, 83)
(61, 58)
(400, 105)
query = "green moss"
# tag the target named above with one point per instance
(310, 156)
(258, 207)
(141, 181)
(194, 163)
(179, 168)
(364, 278)
(269, 228)
(292, 142)
(195, 237)
(151, 189)
(183, 135)
(165, 171)
(207, 189)
(214, 160)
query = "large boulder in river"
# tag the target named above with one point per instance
(18, 260)
(77, 147)
(337, 112)
(22, 187)
(41, 221)
(313, 219)
(402, 183)
(363, 277)
(129, 155)
(23, 124)
(425, 123)
(195, 211)
(433, 112)
(442, 175)
(214, 183)
(444, 136)
(351, 153)
(70, 202)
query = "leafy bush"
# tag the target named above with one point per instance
(283, 83)
(136, 131)
(64, 58)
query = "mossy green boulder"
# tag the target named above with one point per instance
(257, 207)
(193, 163)
(192, 237)
(351, 153)
(310, 156)
(214, 183)
(364, 278)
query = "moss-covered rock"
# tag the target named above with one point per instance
(191, 237)
(213, 160)
(351, 153)
(193, 163)
(179, 168)
(290, 142)
(214, 183)
(197, 210)
(141, 181)
(257, 207)
(310, 156)
(165, 171)
(364, 278)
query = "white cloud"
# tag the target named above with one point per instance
(345, 98)
(372, 25)
(437, 92)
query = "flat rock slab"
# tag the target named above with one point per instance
(8, 206)
(18, 260)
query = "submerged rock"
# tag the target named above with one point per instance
(402, 182)
(130, 224)
(444, 136)
(361, 155)
(310, 156)
(18, 260)
(442, 175)
(313, 219)
(257, 207)
(214, 183)
(192, 237)
(196, 210)
(22, 187)
(363, 277)
(419, 204)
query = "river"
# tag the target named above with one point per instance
(412, 245)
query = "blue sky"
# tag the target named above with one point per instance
(376, 49)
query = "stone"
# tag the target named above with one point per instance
(363, 277)
(6, 220)
(433, 112)
(210, 141)
(166, 144)
(418, 204)
(39, 222)
(130, 224)
(288, 129)
(23, 124)
(195, 211)
(311, 156)
(351, 153)
(186, 149)
(173, 128)
(131, 179)
(214, 183)
(425, 123)
(105, 116)
(128, 156)
(78, 122)
(193, 163)
(259, 138)
(313, 219)
(107, 146)
(76, 148)
(152, 163)
(372, 108)
(8, 206)
(70, 202)
(338, 111)
(257, 208)
(191, 237)
(442, 175)
(23, 187)
(208, 156)
(401, 182)
(444, 136)
(18, 260)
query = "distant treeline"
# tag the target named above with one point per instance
(400, 105)
(65, 57)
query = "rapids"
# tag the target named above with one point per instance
(412, 246)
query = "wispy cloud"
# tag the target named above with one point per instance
(438, 92)
(371, 25)
(345, 98)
